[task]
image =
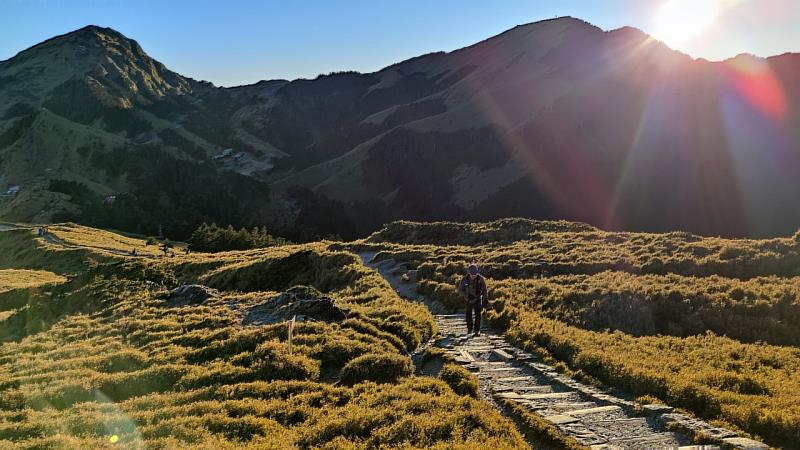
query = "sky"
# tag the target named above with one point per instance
(240, 42)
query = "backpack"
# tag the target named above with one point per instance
(481, 285)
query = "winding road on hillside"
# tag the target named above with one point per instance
(593, 417)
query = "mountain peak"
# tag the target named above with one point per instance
(92, 61)
(567, 22)
(90, 34)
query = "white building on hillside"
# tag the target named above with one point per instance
(12, 191)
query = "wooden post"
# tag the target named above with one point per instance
(291, 330)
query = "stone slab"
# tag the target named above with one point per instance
(560, 419)
(599, 409)
(655, 409)
(745, 443)
(503, 354)
(546, 396)
(512, 379)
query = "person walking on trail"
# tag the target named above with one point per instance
(472, 288)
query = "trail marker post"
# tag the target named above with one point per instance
(291, 330)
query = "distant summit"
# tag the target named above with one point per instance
(95, 67)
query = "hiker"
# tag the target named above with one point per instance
(133, 252)
(473, 289)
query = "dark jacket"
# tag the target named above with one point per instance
(464, 288)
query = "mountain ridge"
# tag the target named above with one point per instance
(622, 29)
(516, 124)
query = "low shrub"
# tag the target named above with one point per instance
(380, 368)
(459, 379)
(538, 430)
(272, 361)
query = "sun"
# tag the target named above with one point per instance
(679, 21)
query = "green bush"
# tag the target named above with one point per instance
(459, 379)
(381, 368)
(213, 238)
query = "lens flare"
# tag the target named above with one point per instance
(755, 81)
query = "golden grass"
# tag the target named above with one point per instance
(521, 248)
(121, 361)
(752, 386)
(20, 278)
(670, 297)
(100, 240)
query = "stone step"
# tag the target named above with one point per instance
(503, 354)
(466, 355)
(513, 379)
(656, 409)
(744, 443)
(560, 419)
(547, 396)
(480, 349)
(494, 370)
(544, 396)
(543, 389)
(596, 410)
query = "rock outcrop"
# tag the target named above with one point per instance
(306, 303)
(190, 294)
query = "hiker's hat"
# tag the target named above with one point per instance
(473, 269)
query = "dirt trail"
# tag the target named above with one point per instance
(55, 240)
(593, 417)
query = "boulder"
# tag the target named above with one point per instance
(190, 294)
(304, 302)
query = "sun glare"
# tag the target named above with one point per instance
(679, 21)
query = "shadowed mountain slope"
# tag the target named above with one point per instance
(554, 119)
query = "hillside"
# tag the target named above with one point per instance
(100, 350)
(704, 324)
(553, 119)
(99, 346)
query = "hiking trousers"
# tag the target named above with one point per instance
(474, 309)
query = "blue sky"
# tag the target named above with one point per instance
(242, 42)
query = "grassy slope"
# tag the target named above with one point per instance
(11, 279)
(106, 357)
(705, 324)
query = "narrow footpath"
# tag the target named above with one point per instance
(55, 240)
(593, 417)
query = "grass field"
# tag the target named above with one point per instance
(110, 360)
(11, 279)
(97, 353)
(708, 325)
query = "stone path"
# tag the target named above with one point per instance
(591, 416)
